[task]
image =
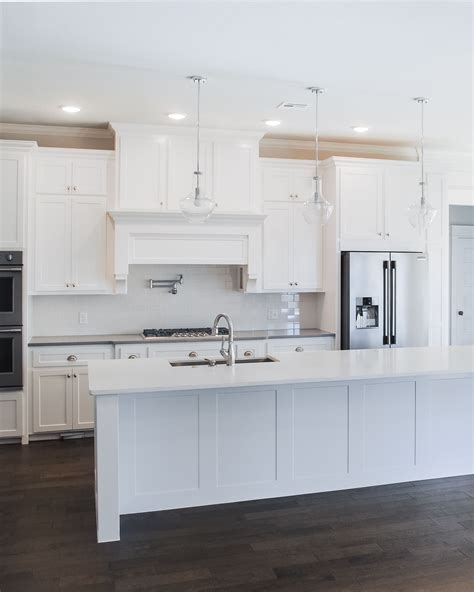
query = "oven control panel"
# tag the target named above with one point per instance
(11, 257)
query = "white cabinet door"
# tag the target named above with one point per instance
(83, 403)
(142, 173)
(53, 244)
(11, 200)
(89, 176)
(302, 183)
(53, 176)
(306, 252)
(401, 190)
(234, 168)
(181, 167)
(11, 414)
(88, 240)
(361, 204)
(276, 183)
(277, 252)
(52, 400)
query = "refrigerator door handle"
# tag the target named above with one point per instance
(393, 302)
(385, 303)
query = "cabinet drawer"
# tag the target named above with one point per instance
(286, 346)
(74, 355)
(178, 351)
(131, 351)
(251, 349)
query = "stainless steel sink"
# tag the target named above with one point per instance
(211, 362)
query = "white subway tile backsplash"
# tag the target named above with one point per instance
(206, 291)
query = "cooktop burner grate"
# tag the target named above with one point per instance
(190, 332)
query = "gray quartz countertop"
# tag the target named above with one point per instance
(137, 338)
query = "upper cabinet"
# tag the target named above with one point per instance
(156, 165)
(57, 173)
(69, 205)
(287, 180)
(14, 169)
(372, 199)
(292, 249)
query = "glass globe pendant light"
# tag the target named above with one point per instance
(421, 214)
(317, 210)
(196, 207)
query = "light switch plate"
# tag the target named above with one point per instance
(272, 314)
(83, 320)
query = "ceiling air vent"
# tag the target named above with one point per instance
(288, 105)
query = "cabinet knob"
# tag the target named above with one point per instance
(75, 375)
(132, 357)
(291, 283)
(379, 233)
(67, 285)
(388, 234)
(299, 349)
(68, 188)
(68, 375)
(296, 283)
(460, 313)
(73, 285)
(248, 354)
(72, 358)
(74, 188)
(192, 354)
(296, 195)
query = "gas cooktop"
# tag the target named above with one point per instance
(194, 332)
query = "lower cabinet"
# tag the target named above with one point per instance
(11, 414)
(287, 346)
(61, 400)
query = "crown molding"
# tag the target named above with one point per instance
(26, 129)
(342, 148)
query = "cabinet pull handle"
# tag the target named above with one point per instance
(192, 354)
(68, 375)
(72, 358)
(67, 285)
(248, 354)
(296, 283)
(73, 285)
(291, 283)
(68, 187)
(387, 235)
(299, 349)
(379, 233)
(132, 357)
(74, 188)
(75, 375)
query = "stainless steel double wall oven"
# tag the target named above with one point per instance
(11, 319)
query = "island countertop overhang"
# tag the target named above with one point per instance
(113, 377)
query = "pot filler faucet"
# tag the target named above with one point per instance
(229, 353)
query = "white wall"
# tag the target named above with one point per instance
(206, 291)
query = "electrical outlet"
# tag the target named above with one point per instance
(83, 320)
(272, 314)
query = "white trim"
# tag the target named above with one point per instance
(153, 217)
(75, 152)
(26, 129)
(17, 145)
(169, 130)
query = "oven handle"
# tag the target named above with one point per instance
(10, 268)
(10, 330)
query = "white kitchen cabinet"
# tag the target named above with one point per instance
(11, 423)
(70, 254)
(141, 172)
(362, 204)
(372, 200)
(83, 403)
(235, 175)
(14, 169)
(287, 180)
(155, 166)
(300, 345)
(61, 400)
(52, 400)
(59, 173)
(181, 167)
(292, 250)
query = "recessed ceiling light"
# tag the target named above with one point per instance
(177, 116)
(70, 108)
(272, 122)
(360, 129)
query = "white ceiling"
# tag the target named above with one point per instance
(129, 62)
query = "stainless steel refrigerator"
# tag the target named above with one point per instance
(384, 300)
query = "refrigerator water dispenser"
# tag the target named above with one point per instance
(367, 312)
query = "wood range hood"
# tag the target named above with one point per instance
(149, 237)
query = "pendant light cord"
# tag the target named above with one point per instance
(198, 136)
(316, 135)
(422, 150)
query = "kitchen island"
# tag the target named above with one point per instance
(172, 437)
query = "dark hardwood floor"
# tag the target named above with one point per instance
(410, 537)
